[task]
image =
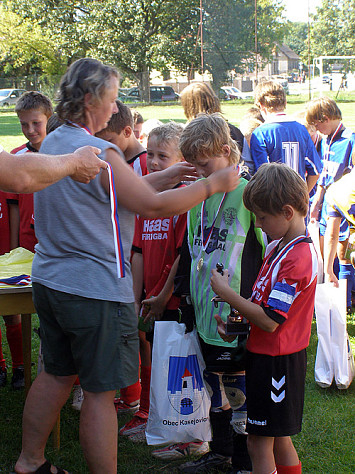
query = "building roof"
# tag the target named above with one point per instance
(287, 51)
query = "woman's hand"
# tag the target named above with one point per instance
(224, 180)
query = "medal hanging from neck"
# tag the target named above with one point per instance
(206, 238)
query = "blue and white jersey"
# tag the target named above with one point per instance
(336, 153)
(282, 140)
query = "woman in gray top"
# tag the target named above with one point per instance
(81, 274)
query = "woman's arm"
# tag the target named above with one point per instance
(138, 196)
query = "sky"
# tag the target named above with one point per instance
(297, 10)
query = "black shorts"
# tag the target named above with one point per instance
(223, 359)
(275, 393)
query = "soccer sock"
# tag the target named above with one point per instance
(2, 359)
(346, 272)
(145, 382)
(131, 394)
(222, 432)
(14, 338)
(77, 381)
(289, 469)
(240, 459)
(238, 399)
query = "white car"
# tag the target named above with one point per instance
(10, 96)
(235, 93)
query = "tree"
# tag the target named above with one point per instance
(24, 47)
(296, 36)
(229, 32)
(138, 36)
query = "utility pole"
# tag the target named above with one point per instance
(201, 33)
(309, 56)
(256, 42)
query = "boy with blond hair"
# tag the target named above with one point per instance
(281, 139)
(336, 150)
(156, 254)
(220, 230)
(280, 313)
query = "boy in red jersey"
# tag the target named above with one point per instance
(33, 110)
(280, 314)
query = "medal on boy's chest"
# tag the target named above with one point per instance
(206, 236)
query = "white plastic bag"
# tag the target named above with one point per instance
(313, 229)
(179, 402)
(334, 356)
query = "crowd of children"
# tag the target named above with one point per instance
(257, 232)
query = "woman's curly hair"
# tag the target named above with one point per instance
(84, 76)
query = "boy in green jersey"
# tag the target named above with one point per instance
(220, 230)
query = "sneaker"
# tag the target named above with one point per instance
(138, 423)
(206, 463)
(122, 408)
(3, 376)
(138, 437)
(78, 397)
(18, 378)
(179, 450)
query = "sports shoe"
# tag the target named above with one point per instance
(122, 408)
(3, 376)
(179, 450)
(18, 378)
(137, 423)
(78, 397)
(138, 437)
(206, 463)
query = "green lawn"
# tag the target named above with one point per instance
(326, 444)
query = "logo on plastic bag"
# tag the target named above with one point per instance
(185, 384)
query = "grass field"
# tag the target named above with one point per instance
(326, 444)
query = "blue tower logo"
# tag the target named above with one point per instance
(185, 384)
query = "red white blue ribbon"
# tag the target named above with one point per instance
(20, 280)
(116, 225)
(283, 251)
(114, 214)
(206, 239)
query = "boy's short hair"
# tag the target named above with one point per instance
(197, 98)
(270, 94)
(205, 136)
(53, 122)
(166, 133)
(137, 117)
(321, 109)
(272, 187)
(123, 118)
(254, 113)
(248, 125)
(34, 100)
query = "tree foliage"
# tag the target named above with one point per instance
(229, 32)
(24, 47)
(296, 36)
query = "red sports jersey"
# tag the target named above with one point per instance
(159, 241)
(4, 224)
(27, 237)
(286, 286)
(139, 163)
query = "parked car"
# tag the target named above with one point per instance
(10, 96)
(223, 94)
(235, 93)
(326, 79)
(123, 97)
(157, 93)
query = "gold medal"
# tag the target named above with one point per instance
(200, 264)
